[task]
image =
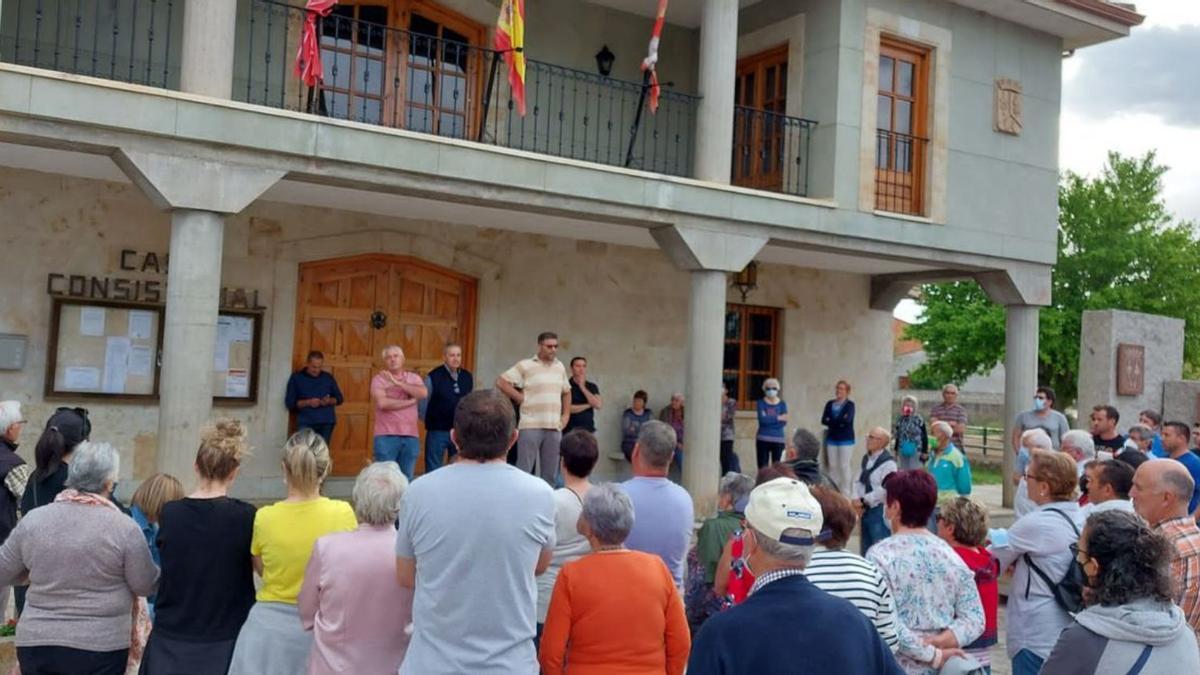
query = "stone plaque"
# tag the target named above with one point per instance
(1008, 106)
(1131, 369)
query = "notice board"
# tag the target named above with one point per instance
(101, 349)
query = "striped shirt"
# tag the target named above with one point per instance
(543, 386)
(1185, 566)
(854, 578)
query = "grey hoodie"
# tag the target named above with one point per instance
(1109, 641)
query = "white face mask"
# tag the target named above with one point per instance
(1039, 403)
(772, 392)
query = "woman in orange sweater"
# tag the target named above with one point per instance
(613, 610)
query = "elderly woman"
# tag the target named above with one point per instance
(772, 418)
(357, 615)
(936, 598)
(272, 641)
(632, 420)
(962, 523)
(838, 419)
(869, 493)
(1037, 549)
(578, 453)
(948, 464)
(911, 438)
(839, 572)
(673, 416)
(1031, 440)
(711, 542)
(87, 564)
(614, 609)
(207, 584)
(1130, 624)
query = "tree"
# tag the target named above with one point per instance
(1117, 249)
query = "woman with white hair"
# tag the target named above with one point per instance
(272, 641)
(349, 601)
(87, 563)
(1031, 440)
(910, 438)
(949, 465)
(614, 610)
(14, 474)
(772, 418)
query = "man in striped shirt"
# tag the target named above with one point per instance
(539, 385)
(1161, 491)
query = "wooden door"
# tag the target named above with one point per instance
(424, 307)
(760, 92)
(900, 147)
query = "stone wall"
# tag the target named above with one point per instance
(625, 308)
(1181, 401)
(1102, 332)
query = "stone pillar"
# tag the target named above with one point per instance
(209, 31)
(1020, 378)
(199, 194)
(705, 356)
(189, 336)
(708, 256)
(718, 70)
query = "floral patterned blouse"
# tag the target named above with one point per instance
(934, 590)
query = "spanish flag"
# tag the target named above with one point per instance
(510, 41)
(650, 63)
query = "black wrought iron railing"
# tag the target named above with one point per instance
(771, 151)
(134, 41)
(901, 165)
(432, 80)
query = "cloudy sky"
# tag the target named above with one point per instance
(1133, 95)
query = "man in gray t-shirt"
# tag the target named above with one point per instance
(1043, 416)
(471, 538)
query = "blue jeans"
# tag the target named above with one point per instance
(399, 449)
(1026, 663)
(873, 530)
(436, 443)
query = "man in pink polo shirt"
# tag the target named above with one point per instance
(395, 393)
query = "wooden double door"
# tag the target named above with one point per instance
(350, 309)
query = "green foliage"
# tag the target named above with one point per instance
(1117, 249)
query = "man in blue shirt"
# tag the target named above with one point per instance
(313, 394)
(1175, 436)
(663, 513)
(787, 626)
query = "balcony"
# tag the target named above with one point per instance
(430, 78)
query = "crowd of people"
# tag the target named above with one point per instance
(481, 565)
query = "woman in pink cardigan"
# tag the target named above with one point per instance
(350, 599)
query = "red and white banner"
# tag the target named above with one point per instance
(308, 57)
(650, 63)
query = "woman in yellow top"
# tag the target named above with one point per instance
(273, 641)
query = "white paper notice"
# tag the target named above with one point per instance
(141, 361)
(116, 364)
(242, 329)
(224, 335)
(79, 378)
(91, 321)
(237, 383)
(141, 324)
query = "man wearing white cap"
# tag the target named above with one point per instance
(825, 635)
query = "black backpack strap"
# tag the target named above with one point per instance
(1067, 518)
(1037, 570)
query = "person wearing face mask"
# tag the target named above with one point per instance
(911, 438)
(772, 418)
(1042, 416)
(1130, 624)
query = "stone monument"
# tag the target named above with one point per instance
(1125, 359)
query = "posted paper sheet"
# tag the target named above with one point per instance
(91, 321)
(237, 383)
(80, 378)
(141, 324)
(141, 361)
(116, 364)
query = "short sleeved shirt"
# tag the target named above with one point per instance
(476, 532)
(1192, 463)
(587, 418)
(1055, 424)
(1115, 444)
(401, 421)
(284, 533)
(543, 386)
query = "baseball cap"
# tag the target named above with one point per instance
(784, 504)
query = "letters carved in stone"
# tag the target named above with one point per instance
(1009, 118)
(1131, 369)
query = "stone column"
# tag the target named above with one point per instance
(209, 34)
(1020, 378)
(718, 70)
(189, 336)
(705, 357)
(199, 194)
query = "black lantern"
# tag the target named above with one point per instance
(604, 60)
(746, 280)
